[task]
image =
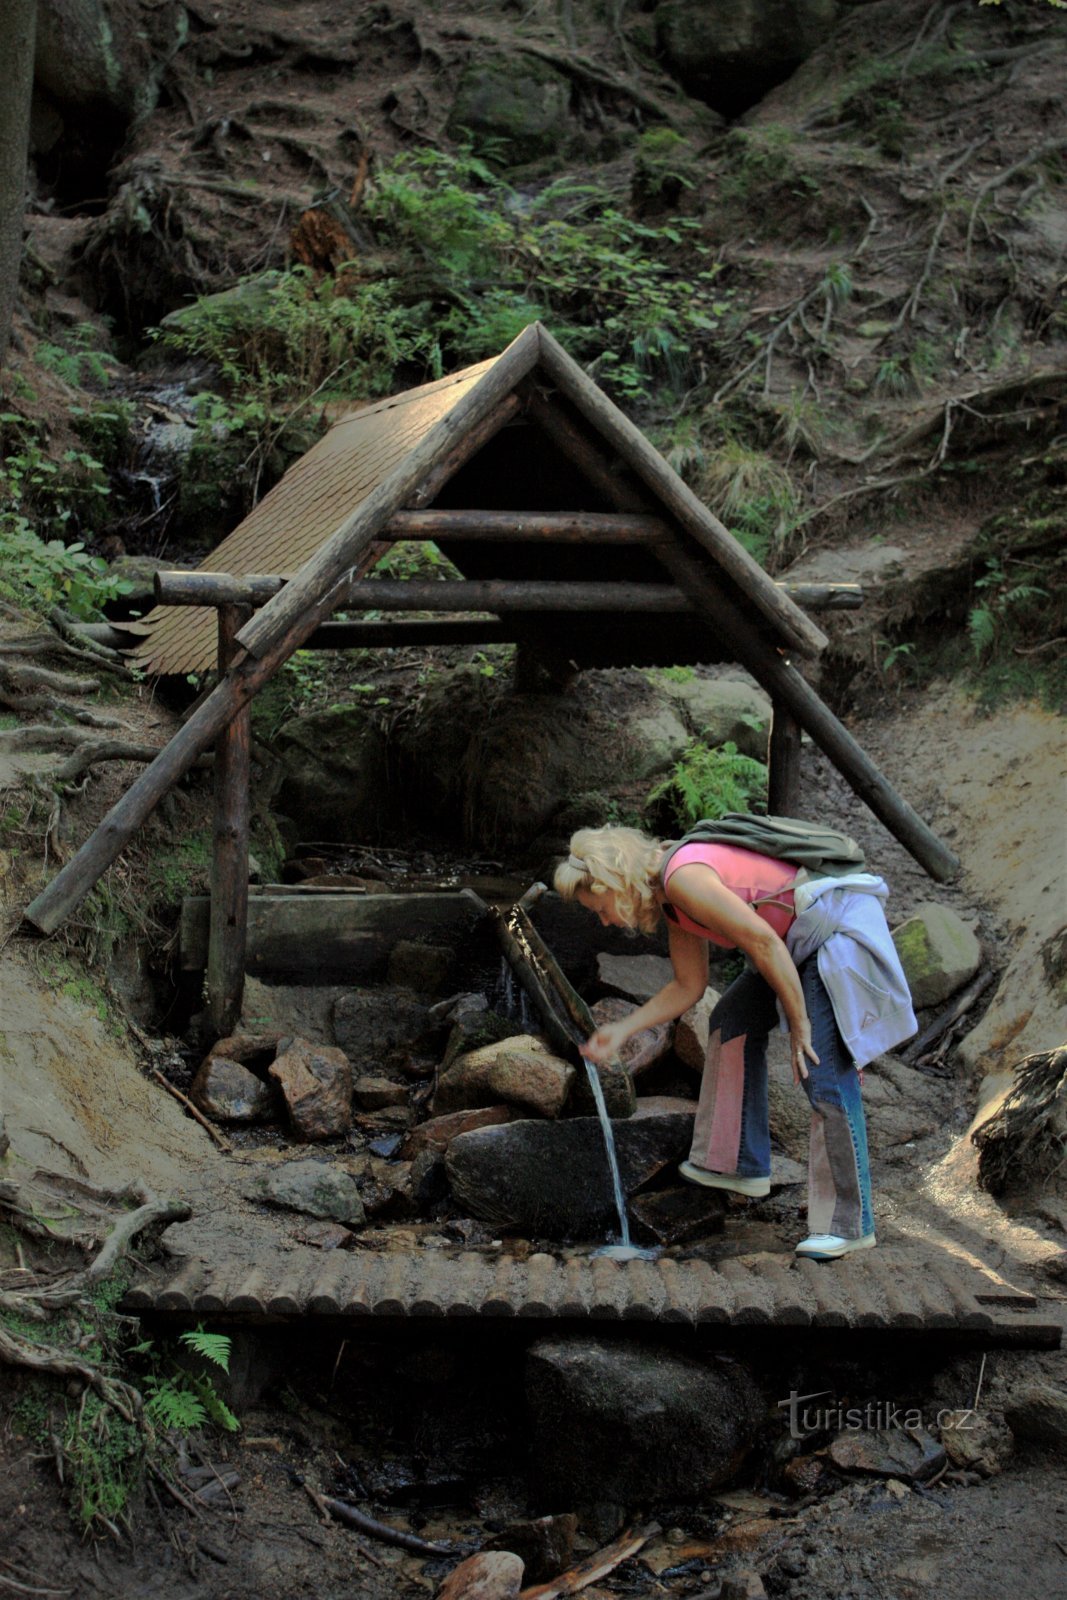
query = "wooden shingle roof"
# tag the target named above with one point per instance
(298, 515)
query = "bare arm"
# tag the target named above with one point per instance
(689, 958)
(700, 892)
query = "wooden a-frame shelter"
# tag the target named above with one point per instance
(566, 524)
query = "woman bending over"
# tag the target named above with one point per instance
(819, 957)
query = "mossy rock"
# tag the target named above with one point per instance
(939, 953)
(732, 53)
(514, 111)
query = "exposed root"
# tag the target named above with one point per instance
(1025, 1141)
(997, 181)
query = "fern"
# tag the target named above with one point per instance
(172, 1404)
(213, 1347)
(707, 782)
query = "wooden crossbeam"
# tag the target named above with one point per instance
(481, 594)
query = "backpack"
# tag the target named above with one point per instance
(823, 851)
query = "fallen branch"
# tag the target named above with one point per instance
(961, 1005)
(352, 1518)
(594, 1567)
(194, 1112)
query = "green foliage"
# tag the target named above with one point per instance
(760, 159)
(708, 782)
(1005, 600)
(78, 362)
(214, 1347)
(753, 494)
(665, 165)
(104, 1460)
(179, 1400)
(43, 574)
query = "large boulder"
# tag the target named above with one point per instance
(631, 1424)
(371, 1024)
(720, 709)
(228, 1092)
(732, 53)
(551, 1180)
(333, 772)
(938, 951)
(641, 1050)
(515, 108)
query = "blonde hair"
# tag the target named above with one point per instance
(622, 860)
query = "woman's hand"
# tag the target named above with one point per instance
(605, 1044)
(800, 1047)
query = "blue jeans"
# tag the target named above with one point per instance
(731, 1132)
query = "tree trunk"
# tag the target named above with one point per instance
(20, 32)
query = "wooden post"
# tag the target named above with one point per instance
(783, 784)
(229, 864)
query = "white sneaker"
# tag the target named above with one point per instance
(828, 1246)
(755, 1188)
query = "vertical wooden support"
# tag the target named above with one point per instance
(783, 784)
(229, 865)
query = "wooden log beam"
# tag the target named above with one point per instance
(793, 627)
(481, 594)
(229, 866)
(569, 527)
(783, 781)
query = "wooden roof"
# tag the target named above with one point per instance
(337, 480)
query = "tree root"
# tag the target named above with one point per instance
(154, 1214)
(997, 181)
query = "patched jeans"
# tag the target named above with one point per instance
(732, 1133)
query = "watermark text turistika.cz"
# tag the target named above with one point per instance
(834, 1416)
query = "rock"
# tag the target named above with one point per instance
(333, 772)
(611, 1419)
(313, 1187)
(316, 1081)
(551, 1179)
(644, 1048)
(228, 1092)
(369, 1024)
(675, 1216)
(371, 1094)
(5, 1139)
(423, 968)
(938, 951)
(976, 1441)
(721, 709)
(1037, 1413)
(633, 977)
(804, 1475)
(913, 1456)
(517, 1071)
(616, 1086)
(691, 1031)
(472, 1028)
(250, 1049)
(732, 53)
(438, 1133)
(290, 1009)
(518, 107)
(490, 1575)
(427, 1180)
(325, 1236)
(545, 1545)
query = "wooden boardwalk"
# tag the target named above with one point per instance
(888, 1290)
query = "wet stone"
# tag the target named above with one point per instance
(312, 1187)
(977, 1441)
(248, 1048)
(551, 1179)
(676, 1216)
(888, 1453)
(316, 1081)
(644, 1048)
(228, 1092)
(370, 1024)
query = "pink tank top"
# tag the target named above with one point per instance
(761, 882)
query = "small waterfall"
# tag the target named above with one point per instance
(613, 1160)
